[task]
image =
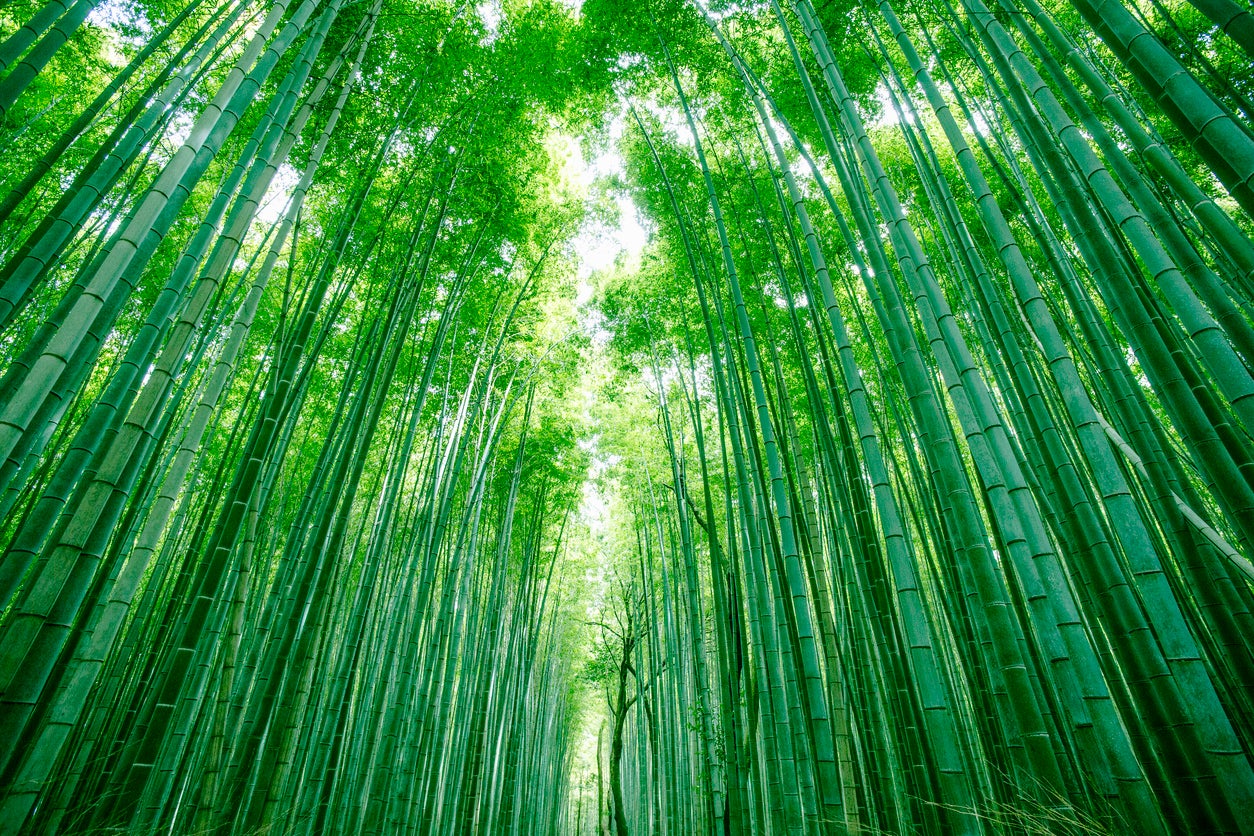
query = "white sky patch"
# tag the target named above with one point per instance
(112, 14)
(595, 509)
(179, 129)
(629, 59)
(275, 202)
(490, 13)
(981, 125)
(674, 121)
(598, 245)
(888, 114)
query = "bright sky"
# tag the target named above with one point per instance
(598, 245)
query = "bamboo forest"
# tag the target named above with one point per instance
(627, 417)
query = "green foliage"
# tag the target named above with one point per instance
(899, 483)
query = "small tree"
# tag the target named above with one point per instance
(613, 667)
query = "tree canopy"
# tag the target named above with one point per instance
(603, 417)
